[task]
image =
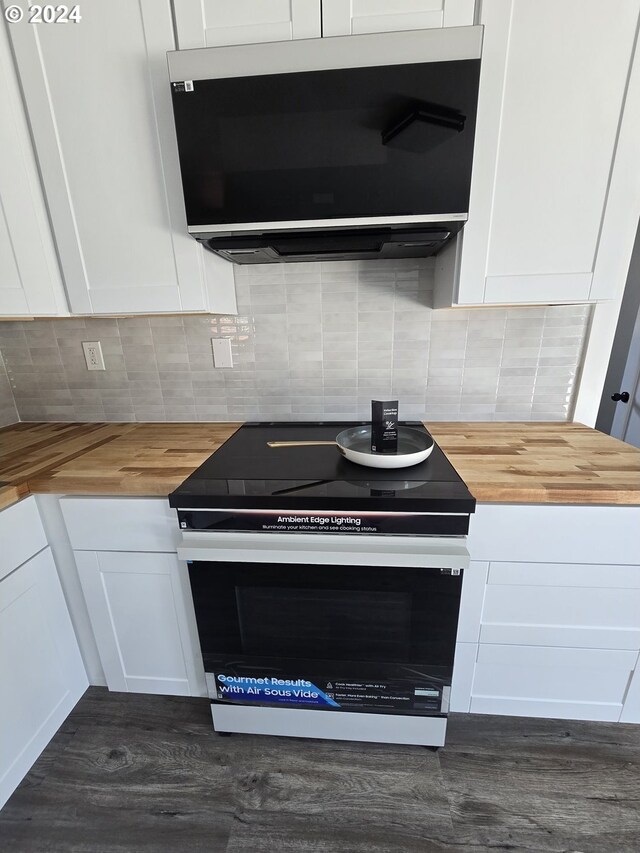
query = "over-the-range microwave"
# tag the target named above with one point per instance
(347, 147)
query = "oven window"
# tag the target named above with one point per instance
(339, 613)
(333, 623)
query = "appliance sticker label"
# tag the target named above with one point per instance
(183, 86)
(273, 691)
(397, 696)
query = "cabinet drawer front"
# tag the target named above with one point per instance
(537, 533)
(571, 636)
(561, 616)
(582, 575)
(579, 683)
(120, 524)
(21, 534)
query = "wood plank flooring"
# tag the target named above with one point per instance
(147, 774)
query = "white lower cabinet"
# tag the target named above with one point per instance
(41, 670)
(566, 683)
(549, 619)
(549, 640)
(550, 613)
(142, 616)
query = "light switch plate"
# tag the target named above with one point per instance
(222, 352)
(93, 355)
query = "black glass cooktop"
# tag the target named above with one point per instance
(245, 473)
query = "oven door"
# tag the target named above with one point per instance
(368, 636)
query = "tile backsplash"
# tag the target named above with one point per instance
(310, 341)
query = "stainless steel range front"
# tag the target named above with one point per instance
(326, 594)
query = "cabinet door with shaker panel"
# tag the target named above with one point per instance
(212, 23)
(137, 593)
(98, 100)
(30, 280)
(349, 17)
(555, 192)
(42, 674)
(139, 609)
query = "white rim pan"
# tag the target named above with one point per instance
(354, 443)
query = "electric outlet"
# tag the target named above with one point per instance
(93, 355)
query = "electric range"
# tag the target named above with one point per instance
(247, 485)
(326, 594)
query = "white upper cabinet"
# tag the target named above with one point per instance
(350, 17)
(98, 98)
(30, 281)
(554, 195)
(210, 23)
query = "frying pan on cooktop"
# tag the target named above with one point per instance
(354, 443)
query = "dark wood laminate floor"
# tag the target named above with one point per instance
(147, 774)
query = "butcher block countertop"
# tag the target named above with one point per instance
(500, 462)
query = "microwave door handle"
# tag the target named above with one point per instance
(423, 115)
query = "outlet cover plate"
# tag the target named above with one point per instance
(222, 352)
(93, 355)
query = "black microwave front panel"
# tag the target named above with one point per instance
(383, 141)
(380, 633)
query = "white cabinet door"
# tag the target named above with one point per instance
(601, 610)
(211, 23)
(142, 615)
(552, 186)
(30, 281)
(98, 98)
(41, 671)
(564, 683)
(347, 17)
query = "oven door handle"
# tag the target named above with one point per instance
(446, 552)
